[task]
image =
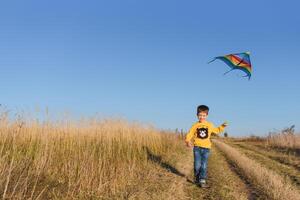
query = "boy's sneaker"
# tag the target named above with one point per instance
(203, 184)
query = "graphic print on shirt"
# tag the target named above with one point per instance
(202, 133)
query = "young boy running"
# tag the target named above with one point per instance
(201, 132)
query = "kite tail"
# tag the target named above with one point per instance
(212, 60)
(228, 71)
(248, 77)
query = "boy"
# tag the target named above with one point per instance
(201, 132)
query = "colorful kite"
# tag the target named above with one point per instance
(239, 61)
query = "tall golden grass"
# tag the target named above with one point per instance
(90, 159)
(283, 140)
(275, 186)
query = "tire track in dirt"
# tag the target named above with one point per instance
(284, 158)
(284, 170)
(244, 189)
(268, 182)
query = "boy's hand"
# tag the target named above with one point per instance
(225, 124)
(188, 144)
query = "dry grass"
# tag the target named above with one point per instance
(108, 159)
(271, 183)
(283, 140)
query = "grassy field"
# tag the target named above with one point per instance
(108, 159)
(115, 159)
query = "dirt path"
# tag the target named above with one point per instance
(223, 179)
(174, 181)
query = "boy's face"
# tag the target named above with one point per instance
(202, 116)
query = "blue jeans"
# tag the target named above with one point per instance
(200, 162)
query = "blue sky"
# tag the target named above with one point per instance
(147, 60)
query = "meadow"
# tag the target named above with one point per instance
(117, 159)
(101, 159)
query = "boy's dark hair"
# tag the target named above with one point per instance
(202, 108)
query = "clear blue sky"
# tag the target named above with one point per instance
(147, 60)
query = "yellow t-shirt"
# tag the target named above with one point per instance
(201, 133)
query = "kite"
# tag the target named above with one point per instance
(239, 61)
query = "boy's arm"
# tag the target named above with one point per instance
(189, 136)
(219, 129)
